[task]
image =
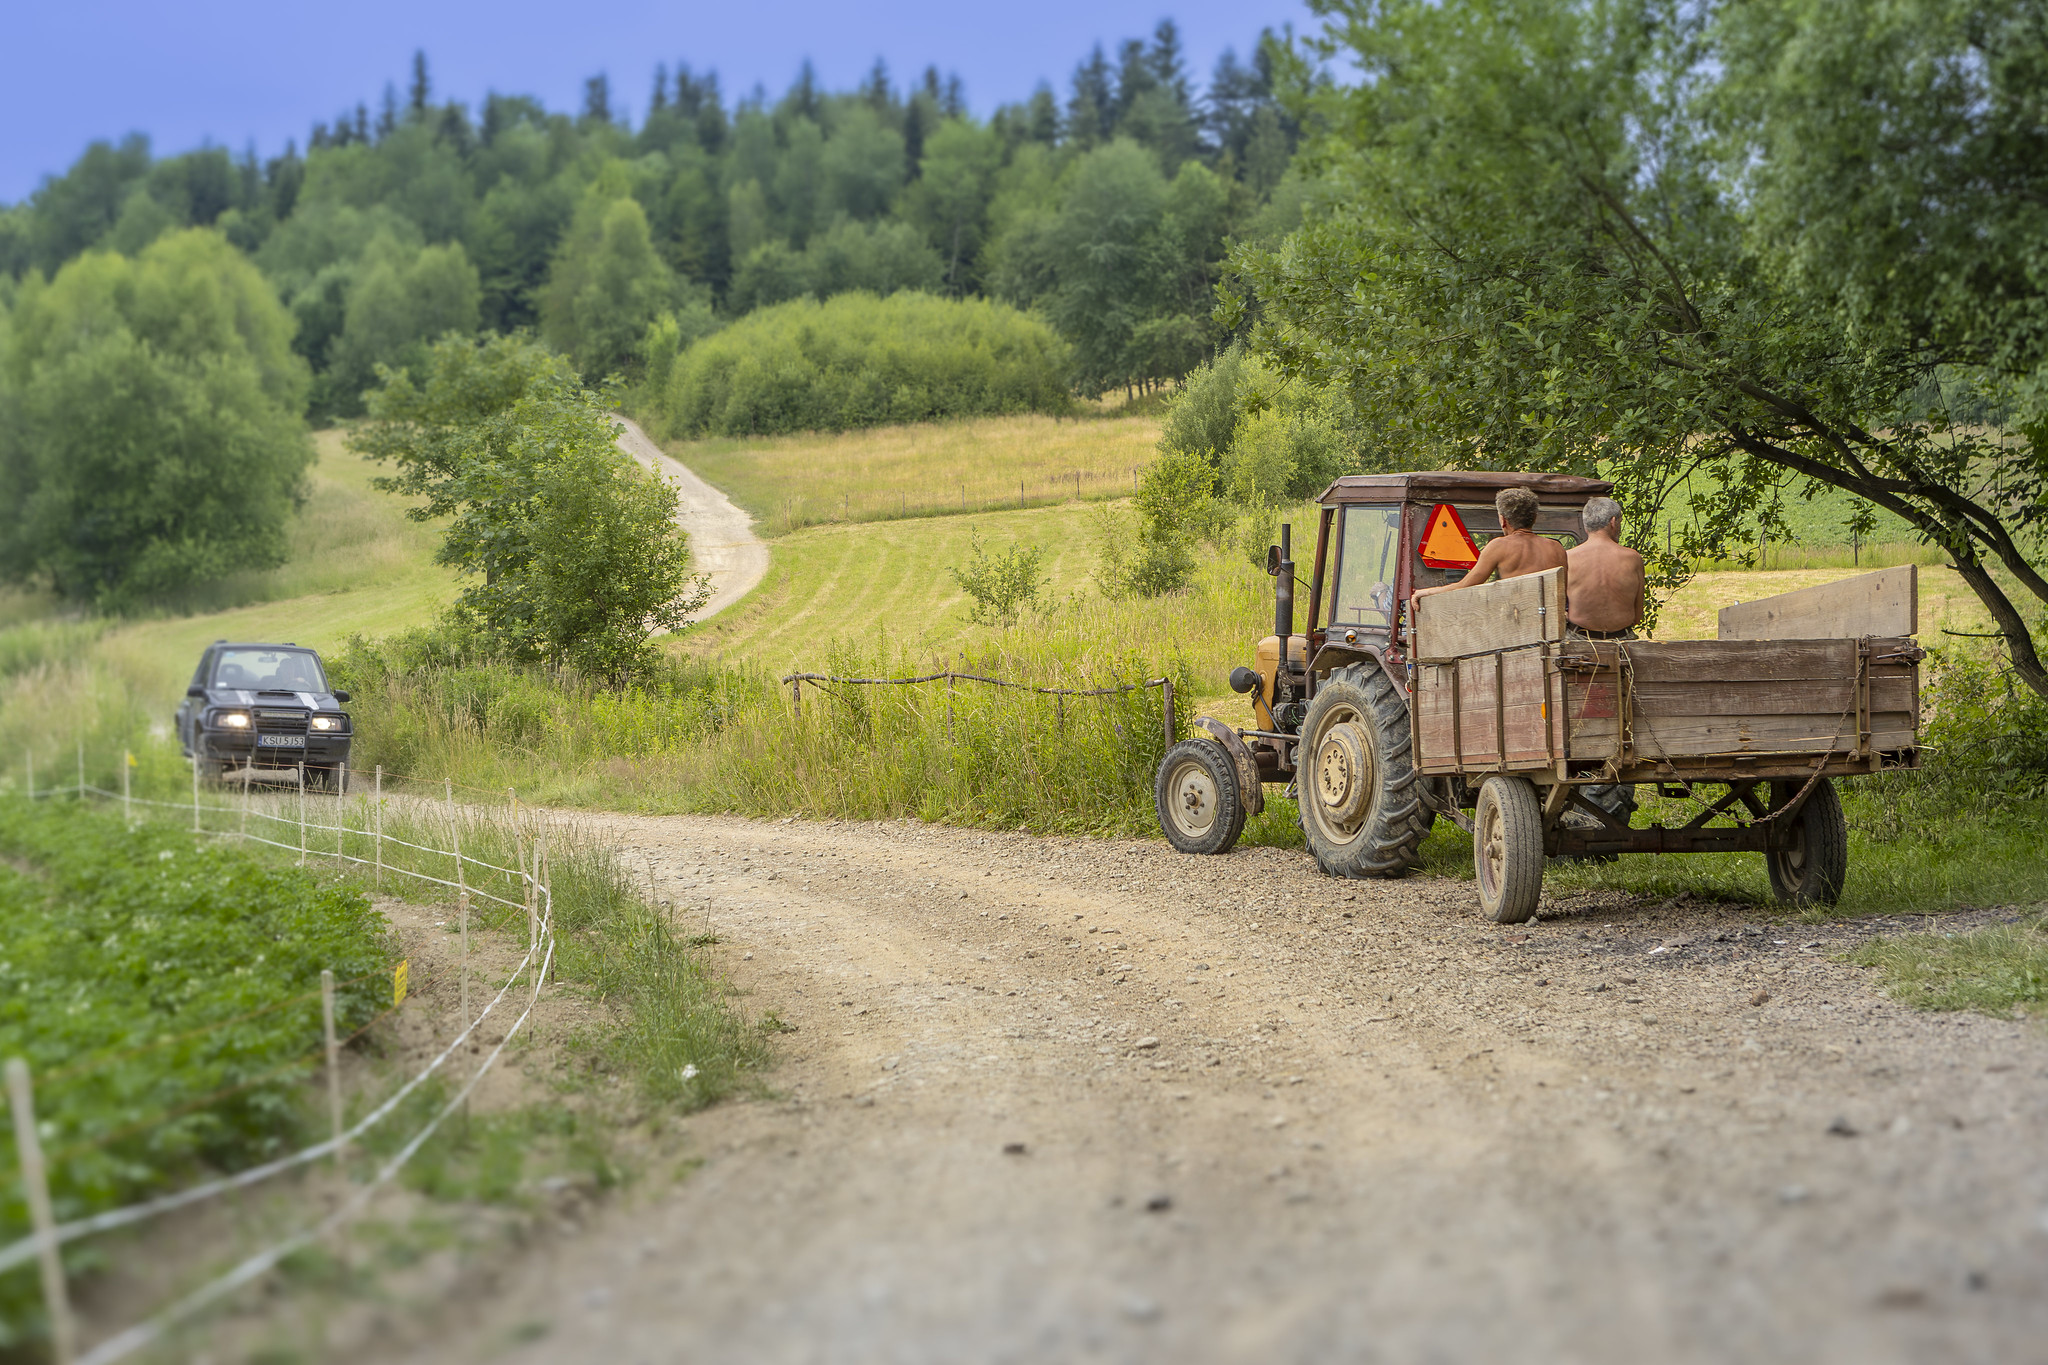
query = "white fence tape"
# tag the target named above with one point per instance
(140, 1335)
(143, 1333)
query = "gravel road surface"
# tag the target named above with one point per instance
(1075, 1100)
(722, 539)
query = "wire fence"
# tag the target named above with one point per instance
(824, 682)
(213, 820)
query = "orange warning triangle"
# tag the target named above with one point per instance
(1446, 544)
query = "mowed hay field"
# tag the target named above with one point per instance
(893, 579)
(930, 469)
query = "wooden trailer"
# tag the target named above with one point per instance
(1530, 729)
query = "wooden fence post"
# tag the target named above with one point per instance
(462, 911)
(302, 815)
(1166, 709)
(35, 1184)
(333, 1059)
(195, 789)
(81, 769)
(127, 804)
(377, 800)
(455, 833)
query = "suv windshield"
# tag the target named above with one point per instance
(283, 670)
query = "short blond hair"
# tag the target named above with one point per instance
(1517, 508)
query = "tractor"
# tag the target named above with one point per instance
(1385, 713)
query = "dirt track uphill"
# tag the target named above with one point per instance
(1058, 1100)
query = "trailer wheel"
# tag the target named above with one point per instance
(1507, 849)
(1196, 793)
(1811, 868)
(1361, 799)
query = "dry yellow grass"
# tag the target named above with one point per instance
(889, 473)
(1693, 612)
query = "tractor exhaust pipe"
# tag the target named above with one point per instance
(1283, 590)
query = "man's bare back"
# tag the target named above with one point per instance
(1607, 576)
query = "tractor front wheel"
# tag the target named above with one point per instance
(1361, 799)
(1200, 810)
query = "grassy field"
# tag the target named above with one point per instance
(1819, 536)
(357, 565)
(871, 596)
(890, 473)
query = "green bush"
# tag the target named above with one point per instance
(1002, 587)
(857, 360)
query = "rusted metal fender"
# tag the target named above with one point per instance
(1250, 790)
(1337, 655)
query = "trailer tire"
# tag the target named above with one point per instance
(1812, 870)
(1507, 849)
(1195, 793)
(1360, 796)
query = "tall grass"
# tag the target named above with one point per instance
(928, 469)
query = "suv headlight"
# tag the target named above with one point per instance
(330, 722)
(233, 720)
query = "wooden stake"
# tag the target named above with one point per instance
(35, 1184)
(195, 790)
(462, 910)
(455, 833)
(333, 1059)
(28, 757)
(302, 815)
(378, 802)
(81, 770)
(127, 806)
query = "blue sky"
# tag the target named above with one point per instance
(232, 71)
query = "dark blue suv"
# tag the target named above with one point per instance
(264, 713)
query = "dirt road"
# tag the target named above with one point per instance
(1060, 1100)
(722, 539)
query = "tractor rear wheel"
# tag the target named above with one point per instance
(1814, 863)
(1200, 810)
(1361, 799)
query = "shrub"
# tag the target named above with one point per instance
(577, 550)
(857, 360)
(1002, 586)
(1176, 507)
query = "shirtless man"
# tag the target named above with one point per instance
(1517, 550)
(1606, 599)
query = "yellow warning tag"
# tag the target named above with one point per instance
(398, 979)
(1446, 544)
(131, 760)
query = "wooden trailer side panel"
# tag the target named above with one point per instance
(1729, 698)
(1497, 712)
(1644, 702)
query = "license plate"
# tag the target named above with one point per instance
(280, 741)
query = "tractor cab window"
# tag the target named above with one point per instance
(1368, 559)
(1561, 524)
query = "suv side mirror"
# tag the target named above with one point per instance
(196, 692)
(341, 697)
(1273, 561)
